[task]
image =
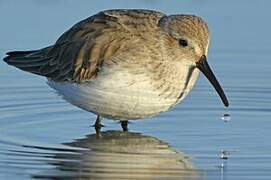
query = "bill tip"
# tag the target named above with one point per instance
(226, 104)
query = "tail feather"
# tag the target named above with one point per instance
(19, 53)
(26, 60)
(30, 61)
(50, 62)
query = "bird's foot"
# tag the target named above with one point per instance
(124, 125)
(98, 126)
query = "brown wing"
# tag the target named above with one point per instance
(77, 53)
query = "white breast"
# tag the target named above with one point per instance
(120, 95)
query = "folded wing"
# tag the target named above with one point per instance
(76, 55)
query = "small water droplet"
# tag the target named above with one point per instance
(226, 117)
(224, 154)
(221, 165)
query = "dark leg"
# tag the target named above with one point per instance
(124, 125)
(98, 125)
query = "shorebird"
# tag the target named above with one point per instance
(124, 64)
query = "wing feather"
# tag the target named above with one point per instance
(78, 54)
(75, 55)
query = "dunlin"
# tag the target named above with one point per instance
(124, 64)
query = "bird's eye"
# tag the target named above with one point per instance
(183, 42)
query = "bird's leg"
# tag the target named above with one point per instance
(124, 125)
(98, 125)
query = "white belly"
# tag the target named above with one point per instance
(121, 95)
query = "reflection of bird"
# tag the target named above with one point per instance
(118, 155)
(124, 64)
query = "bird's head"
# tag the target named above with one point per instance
(187, 39)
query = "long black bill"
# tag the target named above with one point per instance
(204, 67)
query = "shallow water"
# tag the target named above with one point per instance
(43, 137)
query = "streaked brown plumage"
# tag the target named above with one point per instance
(134, 53)
(78, 53)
